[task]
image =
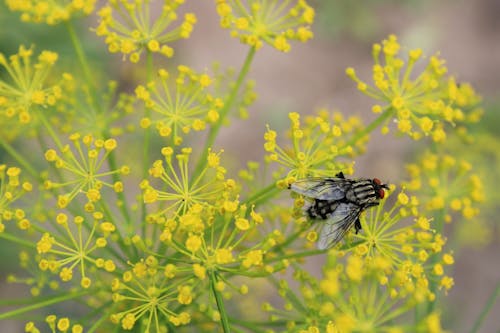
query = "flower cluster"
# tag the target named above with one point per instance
(420, 104)
(223, 83)
(85, 165)
(259, 22)
(352, 296)
(213, 238)
(150, 298)
(69, 249)
(179, 192)
(171, 246)
(181, 104)
(50, 12)
(104, 119)
(130, 30)
(405, 237)
(36, 279)
(61, 325)
(11, 189)
(29, 89)
(446, 184)
(317, 145)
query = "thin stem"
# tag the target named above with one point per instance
(487, 308)
(439, 223)
(214, 130)
(45, 302)
(20, 159)
(371, 127)
(82, 59)
(220, 302)
(146, 158)
(17, 240)
(49, 129)
(263, 195)
(102, 319)
(296, 255)
(147, 114)
(121, 195)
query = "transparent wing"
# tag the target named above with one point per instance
(334, 228)
(322, 188)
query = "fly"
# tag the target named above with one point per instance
(338, 202)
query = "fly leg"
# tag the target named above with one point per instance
(357, 225)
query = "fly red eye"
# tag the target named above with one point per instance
(377, 181)
(381, 193)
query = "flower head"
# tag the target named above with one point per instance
(180, 104)
(85, 164)
(130, 29)
(28, 90)
(216, 239)
(316, 146)
(150, 300)
(404, 238)
(420, 104)
(50, 12)
(76, 246)
(352, 295)
(83, 116)
(446, 184)
(39, 278)
(61, 325)
(179, 192)
(269, 21)
(11, 189)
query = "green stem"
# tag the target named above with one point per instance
(220, 302)
(214, 130)
(438, 227)
(44, 302)
(82, 59)
(147, 113)
(263, 195)
(146, 159)
(121, 195)
(20, 159)
(298, 255)
(368, 129)
(489, 304)
(17, 240)
(49, 129)
(103, 317)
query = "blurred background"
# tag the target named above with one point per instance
(467, 35)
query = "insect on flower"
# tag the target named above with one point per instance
(338, 202)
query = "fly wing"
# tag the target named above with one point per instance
(322, 188)
(334, 228)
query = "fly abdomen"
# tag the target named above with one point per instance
(322, 209)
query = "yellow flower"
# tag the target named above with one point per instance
(50, 12)
(193, 243)
(131, 29)
(223, 256)
(146, 293)
(11, 190)
(258, 22)
(179, 192)
(446, 183)
(24, 90)
(315, 148)
(85, 167)
(179, 103)
(421, 104)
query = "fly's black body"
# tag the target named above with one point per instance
(338, 202)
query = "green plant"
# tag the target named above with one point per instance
(149, 234)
